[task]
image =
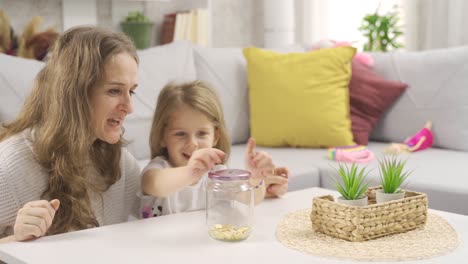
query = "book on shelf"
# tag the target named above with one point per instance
(203, 37)
(168, 27)
(189, 25)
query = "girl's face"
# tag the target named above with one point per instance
(187, 130)
(111, 99)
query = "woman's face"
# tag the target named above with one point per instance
(111, 99)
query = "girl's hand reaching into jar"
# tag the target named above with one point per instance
(203, 160)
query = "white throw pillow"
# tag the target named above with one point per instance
(437, 91)
(158, 66)
(225, 70)
(16, 80)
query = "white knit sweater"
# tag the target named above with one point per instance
(22, 179)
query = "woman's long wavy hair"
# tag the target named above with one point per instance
(59, 113)
(199, 96)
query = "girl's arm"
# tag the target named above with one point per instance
(163, 182)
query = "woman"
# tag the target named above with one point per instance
(62, 165)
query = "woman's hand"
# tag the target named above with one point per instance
(258, 163)
(203, 160)
(34, 219)
(277, 184)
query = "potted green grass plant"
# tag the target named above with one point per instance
(382, 31)
(139, 28)
(392, 177)
(351, 185)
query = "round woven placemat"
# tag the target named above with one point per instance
(436, 238)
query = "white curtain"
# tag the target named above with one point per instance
(434, 24)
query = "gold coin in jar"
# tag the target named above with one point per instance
(229, 232)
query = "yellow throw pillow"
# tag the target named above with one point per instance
(300, 99)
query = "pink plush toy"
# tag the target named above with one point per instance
(363, 58)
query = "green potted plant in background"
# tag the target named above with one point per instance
(352, 187)
(139, 28)
(392, 176)
(382, 31)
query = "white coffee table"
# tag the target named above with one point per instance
(182, 238)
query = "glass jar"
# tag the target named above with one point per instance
(229, 205)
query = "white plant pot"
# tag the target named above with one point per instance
(358, 202)
(382, 197)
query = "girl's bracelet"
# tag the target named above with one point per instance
(259, 185)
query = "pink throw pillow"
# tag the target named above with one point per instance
(370, 96)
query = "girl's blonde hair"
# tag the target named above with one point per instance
(59, 112)
(198, 95)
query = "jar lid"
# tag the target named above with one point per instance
(229, 175)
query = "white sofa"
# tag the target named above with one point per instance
(437, 91)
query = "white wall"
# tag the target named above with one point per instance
(20, 13)
(237, 23)
(240, 22)
(234, 22)
(75, 13)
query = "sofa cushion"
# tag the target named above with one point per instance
(158, 66)
(370, 96)
(300, 99)
(437, 91)
(16, 80)
(225, 70)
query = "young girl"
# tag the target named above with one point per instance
(188, 139)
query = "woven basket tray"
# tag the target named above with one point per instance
(354, 223)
